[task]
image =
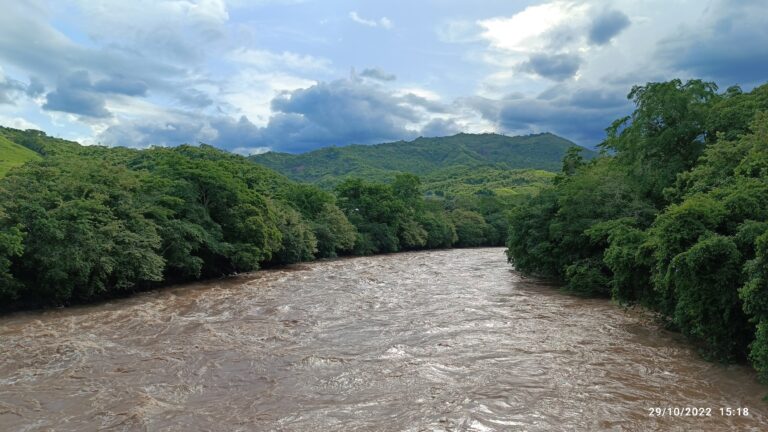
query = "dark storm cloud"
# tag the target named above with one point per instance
(585, 97)
(195, 98)
(77, 102)
(121, 85)
(339, 101)
(232, 134)
(606, 25)
(580, 115)
(730, 46)
(339, 112)
(440, 127)
(335, 113)
(10, 89)
(74, 94)
(378, 74)
(556, 67)
(35, 87)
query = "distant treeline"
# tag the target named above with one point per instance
(673, 215)
(87, 223)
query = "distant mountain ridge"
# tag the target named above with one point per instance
(422, 156)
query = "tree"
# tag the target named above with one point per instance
(754, 295)
(298, 241)
(706, 278)
(573, 160)
(88, 212)
(470, 227)
(377, 213)
(335, 234)
(11, 246)
(441, 233)
(665, 134)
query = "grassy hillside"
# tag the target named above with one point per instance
(12, 154)
(40, 143)
(424, 156)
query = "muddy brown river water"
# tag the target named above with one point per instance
(439, 340)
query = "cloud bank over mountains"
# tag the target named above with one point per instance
(280, 75)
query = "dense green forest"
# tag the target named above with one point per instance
(87, 222)
(425, 157)
(673, 215)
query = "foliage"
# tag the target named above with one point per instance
(127, 220)
(441, 232)
(471, 228)
(754, 295)
(511, 185)
(626, 259)
(243, 222)
(85, 229)
(333, 231)
(388, 218)
(11, 246)
(664, 135)
(706, 278)
(331, 166)
(673, 215)
(299, 242)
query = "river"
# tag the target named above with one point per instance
(437, 340)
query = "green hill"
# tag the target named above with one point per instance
(19, 146)
(12, 154)
(39, 143)
(423, 156)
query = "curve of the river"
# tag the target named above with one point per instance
(439, 340)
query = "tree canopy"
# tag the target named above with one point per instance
(672, 215)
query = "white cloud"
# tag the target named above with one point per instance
(524, 31)
(267, 60)
(250, 92)
(383, 22)
(140, 16)
(17, 123)
(458, 31)
(247, 151)
(420, 92)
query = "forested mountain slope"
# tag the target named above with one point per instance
(424, 156)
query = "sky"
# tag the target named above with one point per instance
(251, 76)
